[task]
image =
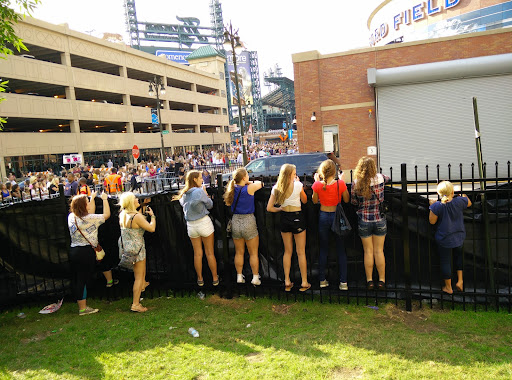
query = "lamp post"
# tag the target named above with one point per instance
(232, 42)
(156, 87)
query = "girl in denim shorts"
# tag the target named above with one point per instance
(367, 193)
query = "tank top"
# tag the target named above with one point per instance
(245, 203)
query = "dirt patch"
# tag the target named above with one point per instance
(418, 320)
(254, 357)
(347, 373)
(37, 338)
(281, 309)
(233, 303)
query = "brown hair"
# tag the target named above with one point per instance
(365, 171)
(229, 195)
(327, 169)
(78, 205)
(189, 183)
(283, 182)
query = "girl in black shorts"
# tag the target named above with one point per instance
(289, 193)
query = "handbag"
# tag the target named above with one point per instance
(128, 259)
(229, 224)
(383, 206)
(100, 253)
(340, 225)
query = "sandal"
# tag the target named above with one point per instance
(216, 283)
(200, 283)
(369, 285)
(382, 285)
(288, 287)
(139, 308)
(304, 288)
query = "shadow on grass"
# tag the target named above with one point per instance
(64, 343)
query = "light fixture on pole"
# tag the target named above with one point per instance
(156, 86)
(232, 42)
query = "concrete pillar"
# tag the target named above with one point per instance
(193, 87)
(197, 129)
(3, 172)
(129, 127)
(123, 72)
(126, 100)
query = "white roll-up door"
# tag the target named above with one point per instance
(432, 123)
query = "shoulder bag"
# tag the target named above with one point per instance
(128, 259)
(229, 224)
(100, 253)
(383, 206)
(340, 225)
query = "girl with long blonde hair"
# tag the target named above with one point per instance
(329, 192)
(133, 224)
(450, 233)
(195, 202)
(288, 193)
(239, 195)
(367, 194)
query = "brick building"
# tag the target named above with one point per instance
(339, 89)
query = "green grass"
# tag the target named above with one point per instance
(294, 341)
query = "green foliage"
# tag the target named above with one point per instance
(8, 37)
(254, 339)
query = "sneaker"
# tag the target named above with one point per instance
(240, 279)
(88, 310)
(343, 286)
(114, 282)
(256, 280)
(324, 284)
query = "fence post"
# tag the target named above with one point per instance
(227, 283)
(405, 238)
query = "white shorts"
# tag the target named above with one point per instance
(200, 228)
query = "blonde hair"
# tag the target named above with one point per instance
(445, 190)
(327, 169)
(229, 195)
(283, 182)
(365, 171)
(189, 183)
(55, 181)
(127, 202)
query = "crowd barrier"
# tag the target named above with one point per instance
(35, 240)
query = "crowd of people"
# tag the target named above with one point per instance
(82, 179)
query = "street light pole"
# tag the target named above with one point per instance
(230, 38)
(159, 89)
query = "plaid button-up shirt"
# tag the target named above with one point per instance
(368, 209)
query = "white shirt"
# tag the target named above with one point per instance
(240, 158)
(89, 225)
(294, 198)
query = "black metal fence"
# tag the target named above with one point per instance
(34, 256)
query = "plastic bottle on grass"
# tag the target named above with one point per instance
(192, 331)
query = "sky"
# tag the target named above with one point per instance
(276, 29)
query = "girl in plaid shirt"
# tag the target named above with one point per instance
(367, 193)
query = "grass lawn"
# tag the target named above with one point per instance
(254, 339)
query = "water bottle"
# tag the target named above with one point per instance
(192, 331)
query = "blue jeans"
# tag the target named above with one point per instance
(324, 232)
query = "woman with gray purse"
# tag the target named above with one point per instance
(133, 224)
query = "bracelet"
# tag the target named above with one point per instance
(153, 216)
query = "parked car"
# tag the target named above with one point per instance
(306, 163)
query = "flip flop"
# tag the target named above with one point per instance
(304, 288)
(216, 283)
(200, 283)
(289, 287)
(138, 309)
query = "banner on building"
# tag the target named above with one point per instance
(71, 159)
(175, 56)
(244, 81)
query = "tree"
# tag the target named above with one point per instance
(8, 37)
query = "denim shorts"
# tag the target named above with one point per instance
(367, 229)
(200, 228)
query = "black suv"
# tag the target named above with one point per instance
(306, 164)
